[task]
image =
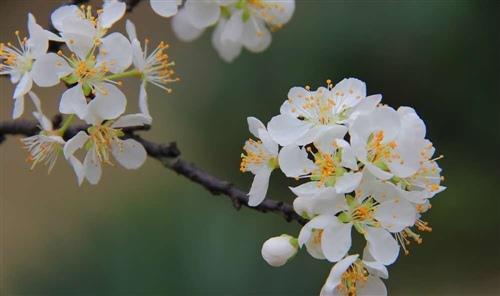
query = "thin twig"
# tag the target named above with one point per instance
(168, 155)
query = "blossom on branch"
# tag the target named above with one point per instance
(367, 167)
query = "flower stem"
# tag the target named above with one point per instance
(132, 73)
(66, 124)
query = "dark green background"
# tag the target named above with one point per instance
(152, 232)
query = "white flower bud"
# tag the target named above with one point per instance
(278, 250)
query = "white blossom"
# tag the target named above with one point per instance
(332, 165)
(374, 219)
(103, 139)
(92, 74)
(260, 159)
(81, 30)
(155, 68)
(239, 24)
(21, 63)
(307, 114)
(353, 276)
(46, 146)
(386, 141)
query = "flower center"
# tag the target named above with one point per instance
(101, 138)
(85, 70)
(43, 149)
(158, 69)
(378, 151)
(256, 155)
(328, 168)
(360, 215)
(268, 12)
(15, 59)
(354, 277)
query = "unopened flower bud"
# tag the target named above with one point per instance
(278, 250)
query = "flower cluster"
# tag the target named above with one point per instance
(238, 23)
(367, 166)
(92, 71)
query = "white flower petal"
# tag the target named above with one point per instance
(326, 141)
(183, 28)
(259, 186)
(129, 153)
(307, 189)
(364, 107)
(227, 49)
(73, 102)
(75, 143)
(381, 245)
(326, 201)
(138, 58)
(376, 268)
(286, 129)
(45, 123)
(280, 11)
(293, 161)
(24, 85)
(137, 119)
(348, 93)
(131, 30)
(202, 13)
(377, 172)
(18, 107)
(396, 214)
(165, 8)
(109, 103)
(233, 28)
(348, 158)
(271, 146)
(143, 102)
(254, 125)
(256, 37)
(348, 182)
(80, 44)
(78, 168)
(49, 69)
(115, 52)
(112, 11)
(92, 167)
(335, 276)
(66, 11)
(336, 241)
(38, 42)
(373, 287)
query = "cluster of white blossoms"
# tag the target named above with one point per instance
(238, 23)
(366, 166)
(92, 71)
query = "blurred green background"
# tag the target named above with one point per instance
(151, 232)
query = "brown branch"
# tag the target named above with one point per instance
(168, 155)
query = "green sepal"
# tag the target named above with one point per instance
(359, 228)
(240, 4)
(351, 202)
(87, 90)
(70, 79)
(225, 12)
(344, 217)
(273, 163)
(246, 15)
